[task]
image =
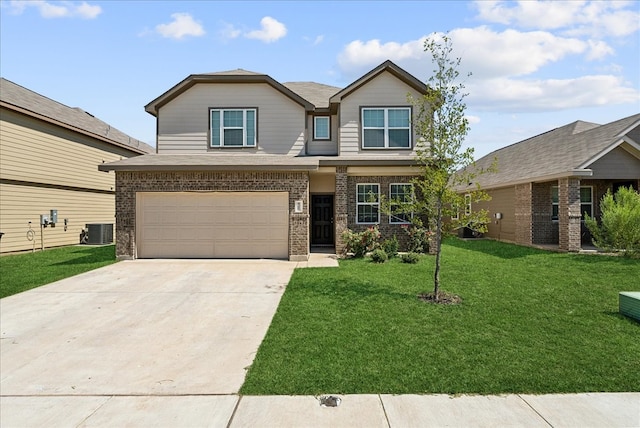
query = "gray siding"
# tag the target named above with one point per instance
(617, 164)
(183, 123)
(322, 147)
(385, 90)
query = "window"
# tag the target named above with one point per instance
(467, 204)
(367, 203)
(400, 193)
(233, 127)
(586, 201)
(321, 127)
(386, 128)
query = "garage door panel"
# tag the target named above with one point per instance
(213, 225)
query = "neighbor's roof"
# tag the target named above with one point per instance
(233, 76)
(562, 152)
(18, 98)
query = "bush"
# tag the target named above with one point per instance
(419, 238)
(619, 226)
(412, 258)
(379, 256)
(360, 243)
(390, 246)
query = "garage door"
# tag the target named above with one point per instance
(212, 225)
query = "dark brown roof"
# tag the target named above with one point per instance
(16, 97)
(562, 152)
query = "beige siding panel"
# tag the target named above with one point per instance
(502, 201)
(323, 147)
(183, 123)
(212, 225)
(617, 164)
(385, 90)
(35, 151)
(21, 204)
(322, 183)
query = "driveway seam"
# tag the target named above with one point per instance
(235, 409)
(94, 411)
(384, 411)
(534, 409)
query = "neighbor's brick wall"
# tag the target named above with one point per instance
(569, 214)
(128, 183)
(386, 229)
(545, 230)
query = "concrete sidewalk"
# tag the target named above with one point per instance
(557, 410)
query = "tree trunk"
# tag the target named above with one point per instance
(438, 236)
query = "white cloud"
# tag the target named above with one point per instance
(228, 31)
(511, 95)
(182, 25)
(574, 18)
(319, 39)
(64, 9)
(472, 119)
(270, 31)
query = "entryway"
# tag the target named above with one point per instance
(322, 229)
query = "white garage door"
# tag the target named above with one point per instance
(212, 225)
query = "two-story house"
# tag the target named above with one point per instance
(247, 167)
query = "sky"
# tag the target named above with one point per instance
(535, 65)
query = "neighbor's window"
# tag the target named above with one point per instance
(400, 193)
(367, 203)
(586, 201)
(467, 204)
(321, 127)
(233, 127)
(386, 128)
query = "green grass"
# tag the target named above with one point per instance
(23, 272)
(530, 322)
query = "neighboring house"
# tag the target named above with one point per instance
(48, 161)
(250, 167)
(545, 184)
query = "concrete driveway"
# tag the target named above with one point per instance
(144, 327)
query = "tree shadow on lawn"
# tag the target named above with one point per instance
(503, 250)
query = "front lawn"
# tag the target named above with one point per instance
(23, 272)
(531, 321)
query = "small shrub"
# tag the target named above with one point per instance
(619, 226)
(360, 243)
(390, 246)
(419, 238)
(410, 258)
(379, 256)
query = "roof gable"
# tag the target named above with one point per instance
(386, 66)
(18, 98)
(231, 77)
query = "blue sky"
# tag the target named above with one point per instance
(535, 65)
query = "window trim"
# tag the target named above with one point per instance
(386, 127)
(391, 216)
(375, 204)
(244, 111)
(315, 127)
(557, 188)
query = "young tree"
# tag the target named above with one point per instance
(441, 127)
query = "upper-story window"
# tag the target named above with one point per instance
(386, 128)
(321, 126)
(233, 127)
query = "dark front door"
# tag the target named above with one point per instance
(322, 220)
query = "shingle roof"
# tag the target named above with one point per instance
(559, 152)
(14, 96)
(317, 93)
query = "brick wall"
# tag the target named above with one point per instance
(387, 230)
(128, 183)
(341, 206)
(569, 214)
(545, 230)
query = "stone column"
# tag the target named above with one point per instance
(341, 206)
(523, 214)
(569, 214)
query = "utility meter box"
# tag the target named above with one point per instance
(53, 218)
(44, 219)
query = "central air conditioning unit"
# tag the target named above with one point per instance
(100, 233)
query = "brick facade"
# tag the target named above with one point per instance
(341, 207)
(387, 230)
(129, 183)
(569, 214)
(545, 230)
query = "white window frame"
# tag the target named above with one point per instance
(391, 215)
(386, 128)
(557, 203)
(375, 204)
(315, 128)
(246, 141)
